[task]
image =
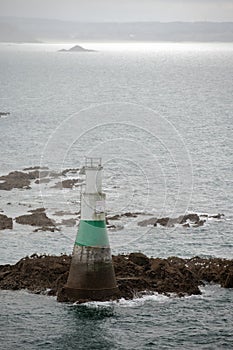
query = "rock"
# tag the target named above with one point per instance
(136, 274)
(37, 273)
(71, 170)
(37, 218)
(76, 48)
(139, 259)
(42, 181)
(214, 270)
(114, 217)
(229, 281)
(191, 217)
(21, 179)
(15, 179)
(4, 114)
(127, 214)
(199, 223)
(164, 222)
(46, 228)
(130, 215)
(38, 210)
(185, 220)
(69, 183)
(114, 227)
(35, 168)
(217, 216)
(148, 222)
(5, 222)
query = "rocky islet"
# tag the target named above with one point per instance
(136, 275)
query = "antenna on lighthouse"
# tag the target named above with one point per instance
(91, 275)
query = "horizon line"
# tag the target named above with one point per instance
(112, 22)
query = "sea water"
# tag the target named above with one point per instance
(160, 115)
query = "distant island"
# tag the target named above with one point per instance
(34, 30)
(76, 48)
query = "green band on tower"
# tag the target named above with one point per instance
(92, 234)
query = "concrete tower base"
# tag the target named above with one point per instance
(91, 276)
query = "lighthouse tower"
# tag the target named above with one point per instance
(91, 275)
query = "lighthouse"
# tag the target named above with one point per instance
(91, 275)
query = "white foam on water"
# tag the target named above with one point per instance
(137, 301)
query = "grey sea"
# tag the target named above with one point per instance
(160, 116)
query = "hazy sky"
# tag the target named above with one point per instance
(121, 10)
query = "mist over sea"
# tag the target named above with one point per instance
(160, 115)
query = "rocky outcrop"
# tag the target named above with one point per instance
(153, 275)
(22, 179)
(214, 270)
(37, 273)
(37, 218)
(5, 222)
(136, 274)
(186, 220)
(15, 179)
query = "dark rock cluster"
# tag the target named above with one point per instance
(136, 274)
